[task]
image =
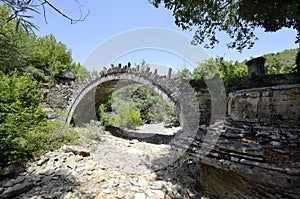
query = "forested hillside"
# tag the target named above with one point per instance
(44, 57)
(281, 68)
(281, 62)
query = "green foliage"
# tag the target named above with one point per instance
(135, 115)
(272, 15)
(105, 118)
(237, 18)
(184, 74)
(90, 131)
(127, 116)
(24, 129)
(125, 113)
(79, 71)
(133, 106)
(38, 74)
(44, 57)
(152, 107)
(12, 45)
(281, 62)
(226, 69)
(48, 56)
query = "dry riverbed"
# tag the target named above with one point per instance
(121, 164)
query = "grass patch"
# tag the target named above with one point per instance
(91, 131)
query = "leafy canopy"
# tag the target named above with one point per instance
(44, 57)
(238, 18)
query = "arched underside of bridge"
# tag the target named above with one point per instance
(88, 102)
(178, 95)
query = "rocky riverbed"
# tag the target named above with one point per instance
(120, 164)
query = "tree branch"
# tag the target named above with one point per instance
(73, 21)
(44, 13)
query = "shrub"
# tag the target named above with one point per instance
(133, 106)
(90, 131)
(24, 129)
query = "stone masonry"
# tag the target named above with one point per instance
(257, 154)
(256, 150)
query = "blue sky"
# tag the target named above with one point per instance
(112, 17)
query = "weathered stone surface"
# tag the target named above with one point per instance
(266, 106)
(258, 147)
(16, 190)
(80, 101)
(77, 150)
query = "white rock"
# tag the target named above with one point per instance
(156, 194)
(139, 196)
(142, 182)
(158, 185)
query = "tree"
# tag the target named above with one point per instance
(19, 10)
(184, 73)
(238, 18)
(44, 57)
(24, 129)
(11, 43)
(49, 56)
(227, 70)
(282, 62)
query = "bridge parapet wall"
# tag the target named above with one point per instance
(258, 152)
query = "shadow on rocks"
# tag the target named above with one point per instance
(53, 176)
(48, 184)
(181, 179)
(152, 138)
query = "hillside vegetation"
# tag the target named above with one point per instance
(281, 68)
(27, 61)
(282, 62)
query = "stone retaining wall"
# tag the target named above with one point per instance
(258, 152)
(266, 106)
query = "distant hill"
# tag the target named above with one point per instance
(282, 62)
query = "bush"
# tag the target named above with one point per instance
(106, 119)
(151, 106)
(133, 106)
(24, 129)
(226, 69)
(91, 131)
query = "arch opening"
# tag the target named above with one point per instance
(85, 106)
(135, 105)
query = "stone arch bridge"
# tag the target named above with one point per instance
(257, 151)
(80, 101)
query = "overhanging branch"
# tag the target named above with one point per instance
(73, 21)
